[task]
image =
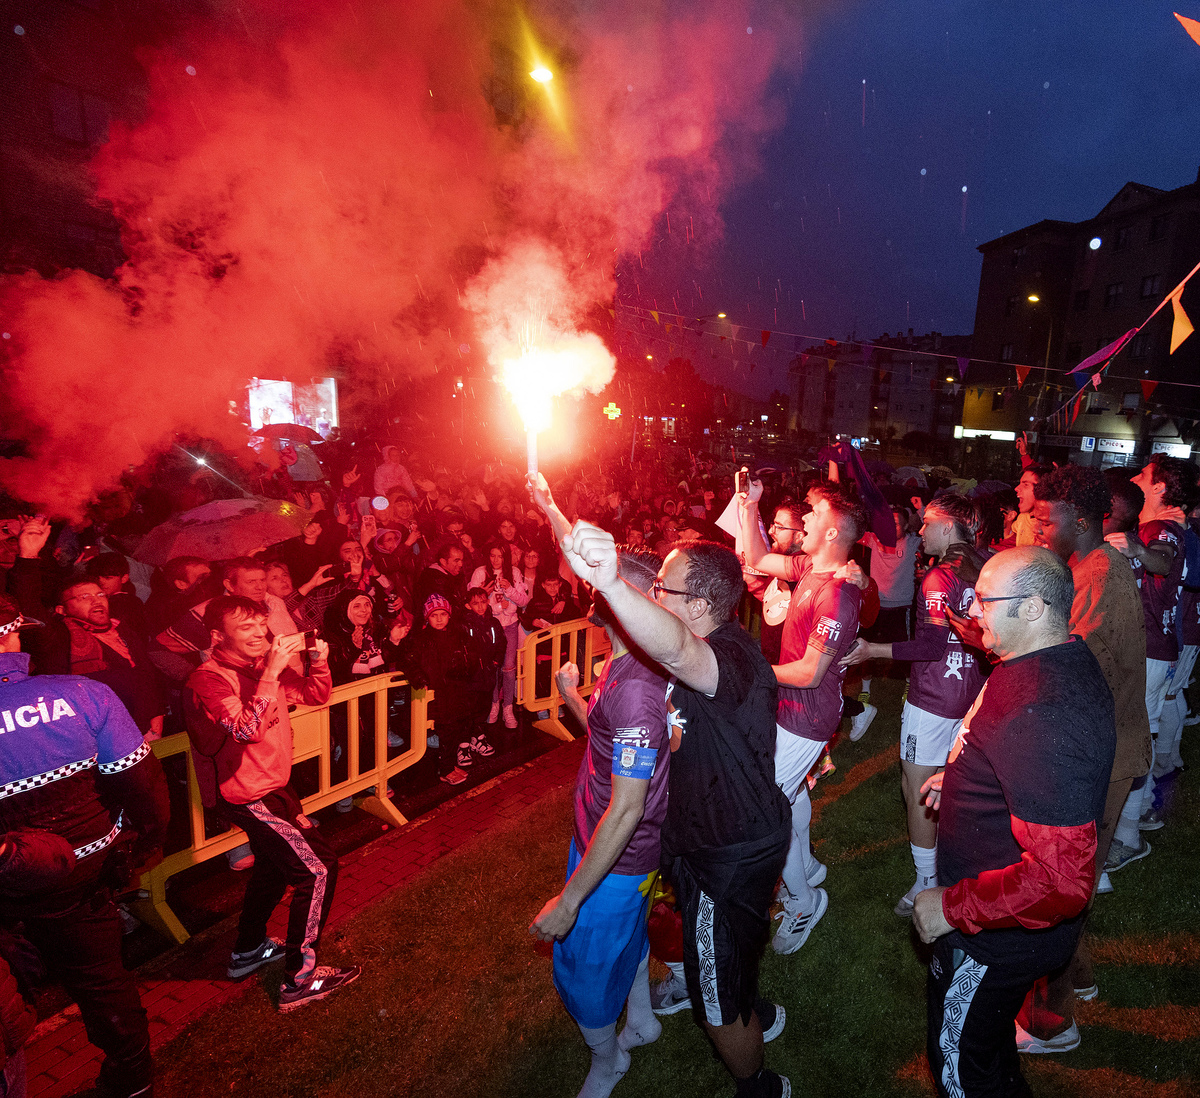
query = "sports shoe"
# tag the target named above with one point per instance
(480, 746)
(240, 859)
(510, 718)
(1060, 1042)
(772, 1027)
(465, 758)
(242, 964)
(346, 804)
(432, 741)
(1120, 855)
(669, 996)
(394, 739)
(817, 874)
(324, 981)
(1087, 994)
(1191, 719)
(1104, 885)
(494, 712)
(860, 724)
(455, 777)
(777, 1086)
(1151, 820)
(794, 930)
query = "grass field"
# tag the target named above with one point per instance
(456, 998)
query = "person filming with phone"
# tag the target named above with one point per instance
(241, 739)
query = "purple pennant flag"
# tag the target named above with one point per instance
(962, 366)
(1104, 353)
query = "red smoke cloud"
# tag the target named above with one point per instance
(325, 188)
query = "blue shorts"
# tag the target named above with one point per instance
(595, 964)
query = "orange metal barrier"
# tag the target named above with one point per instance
(543, 653)
(311, 740)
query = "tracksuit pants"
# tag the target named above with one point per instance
(288, 850)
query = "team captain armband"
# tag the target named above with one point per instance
(632, 759)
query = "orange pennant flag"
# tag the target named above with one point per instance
(1189, 25)
(1181, 326)
(668, 325)
(654, 313)
(832, 362)
(1022, 374)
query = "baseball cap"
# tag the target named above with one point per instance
(11, 617)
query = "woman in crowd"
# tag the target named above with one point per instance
(507, 594)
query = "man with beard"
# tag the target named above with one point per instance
(598, 923)
(821, 625)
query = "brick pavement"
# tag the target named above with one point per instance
(178, 987)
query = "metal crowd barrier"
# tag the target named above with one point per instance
(312, 740)
(543, 653)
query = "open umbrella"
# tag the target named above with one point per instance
(294, 432)
(222, 529)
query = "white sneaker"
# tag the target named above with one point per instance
(794, 930)
(1060, 1042)
(860, 724)
(510, 718)
(494, 712)
(669, 996)
(1104, 887)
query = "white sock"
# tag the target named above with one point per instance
(641, 1026)
(866, 687)
(925, 859)
(1127, 826)
(676, 968)
(609, 1062)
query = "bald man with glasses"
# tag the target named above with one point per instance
(1020, 802)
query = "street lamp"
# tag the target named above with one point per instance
(1034, 299)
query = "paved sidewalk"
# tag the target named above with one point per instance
(180, 986)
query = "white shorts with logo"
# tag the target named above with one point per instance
(925, 739)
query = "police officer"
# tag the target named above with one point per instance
(73, 762)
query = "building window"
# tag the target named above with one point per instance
(1158, 226)
(1112, 295)
(1081, 300)
(1139, 345)
(78, 116)
(1006, 353)
(1074, 354)
(1010, 306)
(1129, 402)
(1017, 256)
(1151, 285)
(1121, 241)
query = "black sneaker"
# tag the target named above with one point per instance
(324, 981)
(242, 964)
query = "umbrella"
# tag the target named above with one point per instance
(910, 472)
(295, 432)
(222, 529)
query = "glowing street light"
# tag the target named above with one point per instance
(721, 316)
(542, 74)
(1033, 299)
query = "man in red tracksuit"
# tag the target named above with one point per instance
(1020, 800)
(237, 710)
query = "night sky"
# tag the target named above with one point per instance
(1042, 110)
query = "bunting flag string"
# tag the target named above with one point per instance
(1181, 326)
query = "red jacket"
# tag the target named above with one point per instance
(241, 737)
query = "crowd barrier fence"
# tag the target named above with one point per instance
(542, 654)
(312, 739)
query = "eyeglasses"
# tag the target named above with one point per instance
(1005, 598)
(658, 589)
(780, 526)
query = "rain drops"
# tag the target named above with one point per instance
(18, 29)
(749, 30)
(922, 171)
(1046, 86)
(964, 190)
(190, 70)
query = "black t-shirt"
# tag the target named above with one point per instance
(1038, 745)
(722, 789)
